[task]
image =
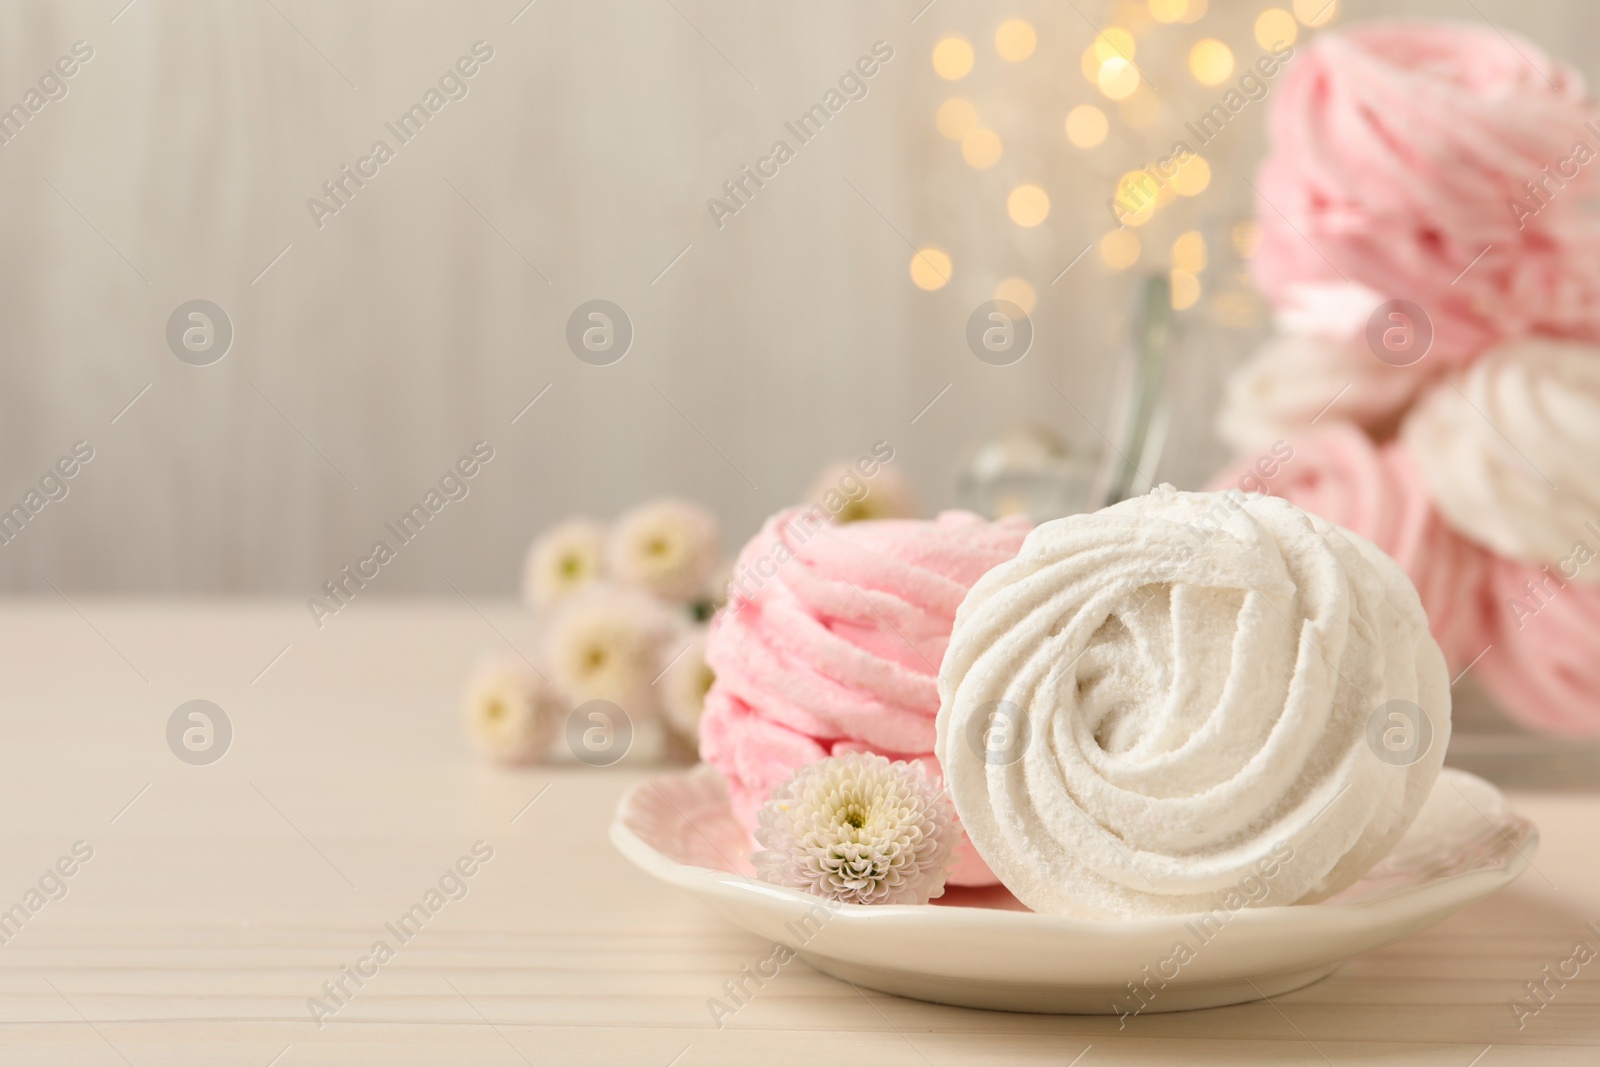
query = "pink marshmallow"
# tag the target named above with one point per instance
(1378, 492)
(831, 643)
(1398, 150)
(1543, 669)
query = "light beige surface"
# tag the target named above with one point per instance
(224, 896)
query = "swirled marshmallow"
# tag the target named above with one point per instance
(1542, 667)
(831, 643)
(1378, 492)
(1186, 685)
(1509, 448)
(1439, 163)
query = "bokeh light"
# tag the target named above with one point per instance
(1275, 27)
(1114, 43)
(1091, 65)
(930, 268)
(956, 118)
(1210, 61)
(1015, 40)
(1141, 216)
(1194, 12)
(1117, 79)
(1185, 290)
(1028, 205)
(1193, 176)
(981, 148)
(1189, 252)
(1168, 10)
(1119, 249)
(1087, 126)
(1019, 291)
(1137, 197)
(952, 58)
(1316, 12)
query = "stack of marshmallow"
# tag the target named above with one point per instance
(1430, 242)
(1166, 706)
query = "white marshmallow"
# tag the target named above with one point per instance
(1197, 674)
(1511, 447)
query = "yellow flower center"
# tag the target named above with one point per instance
(495, 710)
(855, 511)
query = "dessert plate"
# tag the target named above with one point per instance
(981, 948)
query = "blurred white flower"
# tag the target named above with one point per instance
(685, 679)
(849, 496)
(564, 559)
(858, 829)
(604, 644)
(512, 714)
(667, 547)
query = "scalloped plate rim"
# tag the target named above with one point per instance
(1362, 924)
(690, 876)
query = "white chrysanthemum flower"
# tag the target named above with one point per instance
(860, 830)
(512, 714)
(666, 547)
(566, 558)
(684, 682)
(605, 644)
(849, 497)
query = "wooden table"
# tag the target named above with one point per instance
(220, 898)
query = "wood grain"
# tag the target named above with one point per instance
(220, 901)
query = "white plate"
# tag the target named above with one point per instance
(981, 948)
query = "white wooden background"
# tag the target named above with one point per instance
(430, 311)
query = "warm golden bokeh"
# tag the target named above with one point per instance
(1015, 40)
(952, 58)
(981, 148)
(1028, 205)
(1117, 79)
(1119, 249)
(1137, 196)
(930, 268)
(1189, 252)
(1019, 291)
(1114, 43)
(956, 118)
(1090, 65)
(1168, 10)
(1087, 126)
(1275, 27)
(1192, 178)
(1210, 61)
(1185, 290)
